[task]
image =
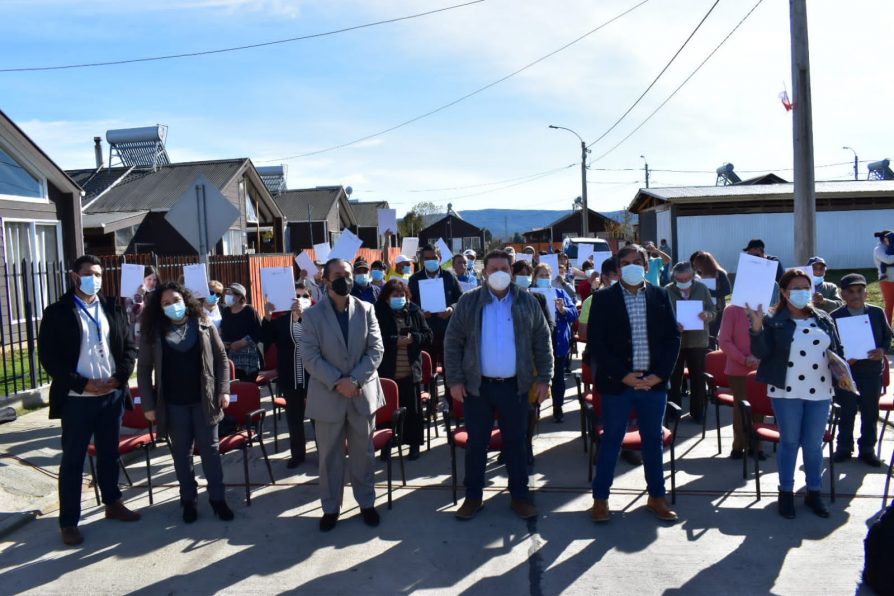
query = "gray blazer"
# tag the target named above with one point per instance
(328, 359)
(462, 343)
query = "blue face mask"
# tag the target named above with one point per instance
(175, 311)
(523, 281)
(543, 282)
(229, 300)
(377, 275)
(799, 298)
(431, 265)
(398, 303)
(633, 275)
(684, 285)
(90, 284)
(212, 299)
(818, 281)
(361, 279)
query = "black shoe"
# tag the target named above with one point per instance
(413, 455)
(294, 462)
(221, 510)
(841, 456)
(370, 516)
(385, 454)
(815, 502)
(328, 521)
(787, 504)
(190, 513)
(737, 454)
(870, 459)
(558, 416)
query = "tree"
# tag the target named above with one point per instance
(414, 221)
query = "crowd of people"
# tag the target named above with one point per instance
(503, 342)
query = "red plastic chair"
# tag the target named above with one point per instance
(585, 391)
(886, 404)
(458, 436)
(232, 370)
(759, 404)
(428, 392)
(143, 439)
(719, 392)
(632, 439)
(245, 408)
(389, 429)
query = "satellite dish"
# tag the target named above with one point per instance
(348, 190)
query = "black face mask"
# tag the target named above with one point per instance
(342, 286)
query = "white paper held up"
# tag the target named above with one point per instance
(431, 295)
(387, 221)
(599, 258)
(553, 261)
(446, 253)
(195, 278)
(321, 251)
(856, 336)
(305, 263)
(278, 286)
(408, 246)
(346, 246)
(710, 282)
(755, 278)
(584, 252)
(688, 312)
(131, 279)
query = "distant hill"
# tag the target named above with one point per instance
(504, 223)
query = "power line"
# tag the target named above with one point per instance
(459, 99)
(483, 184)
(239, 48)
(686, 80)
(655, 80)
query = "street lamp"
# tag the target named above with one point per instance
(856, 163)
(585, 215)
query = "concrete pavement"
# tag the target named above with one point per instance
(726, 541)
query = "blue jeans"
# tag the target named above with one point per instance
(83, 418)
(802, 423)
(187, 426)
(479, 412)
(870, 387)
(616, 410)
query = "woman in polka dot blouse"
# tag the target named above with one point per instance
(792, 345)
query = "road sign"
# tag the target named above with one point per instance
(202, 215)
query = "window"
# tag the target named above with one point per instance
(16, 181)
(39, 245)
(232, 243)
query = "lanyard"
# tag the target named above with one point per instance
(93, 319)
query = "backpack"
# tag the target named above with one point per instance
(878, 574)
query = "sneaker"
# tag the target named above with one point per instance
(659, 506)
(468, 509)
(328, 521)
(413, 455)
(870, 458)
(600, 513)
(118, 511)
(370, 516)
(524, 509)
(841, 456)
(71, 536)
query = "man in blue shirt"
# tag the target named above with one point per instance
(363, 286)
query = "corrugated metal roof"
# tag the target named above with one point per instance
(109, 222)
(294, 203)
(766, 191)
(145, 189)
(366, 213)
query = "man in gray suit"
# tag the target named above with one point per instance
(342, 348)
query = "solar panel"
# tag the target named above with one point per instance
(138, 147)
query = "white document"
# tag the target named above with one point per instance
(408, 246)
(321, 251)
(523, 256)
(551, 296)
(387, 221)
(755, 278)
(584, 252)
(553, 261)
(710, 282)
(131, 279)
(195, 278)
(446, 253)
(431, 295)
(346, 247)
(278, 287)
(305, 263)
(467, 285)
(856, 336)
(688, 312)
(599, 258)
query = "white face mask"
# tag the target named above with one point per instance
(499, 280)
(684, 285)
(632, 274)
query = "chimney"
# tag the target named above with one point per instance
(97, 149)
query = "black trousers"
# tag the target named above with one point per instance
(187, 427)
(694, 360)
(296, 399)
(414, 423)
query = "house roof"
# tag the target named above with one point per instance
(442, 217)
(124, 189)
(55, 174)
(781, 192)
(294, 203)
(111, 222)
(367, 213)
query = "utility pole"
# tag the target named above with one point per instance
(585, 212)
(647, 169)
(802, 135)
(856, 163)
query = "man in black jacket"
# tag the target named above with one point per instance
(86, 346)
(430, 259)
(633, 342)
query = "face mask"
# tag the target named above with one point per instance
(799, 298)
(362, 279)
(684, 285)
(377, 275)
(633, 275)
(212, 299)
(523, 281)
(304, 302)
(818, 281)
(229, 300)
(175, 311)
(342, 286)
(405, 270)
(499, 280)
(432, 265)
(398, 303)
(614, 281)
(90, 284)
(543, 282)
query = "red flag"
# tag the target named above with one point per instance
(786, 102)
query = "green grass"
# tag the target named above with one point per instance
(17, 375)
(871, 275)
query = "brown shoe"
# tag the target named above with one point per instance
(659, 506)
(71, 536)
(600, 512)
(118, 511)
(524, 509)
(468, 509)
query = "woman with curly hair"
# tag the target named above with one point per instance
(190, 389)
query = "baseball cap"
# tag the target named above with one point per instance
(402, 259)
(469, 253)
(755, 243)
(361, 263)
(852, 279)
(237, 289)
(813, 260)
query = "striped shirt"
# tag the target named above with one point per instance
(297, 332)
(636, 312)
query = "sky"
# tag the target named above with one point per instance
(492, 150)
